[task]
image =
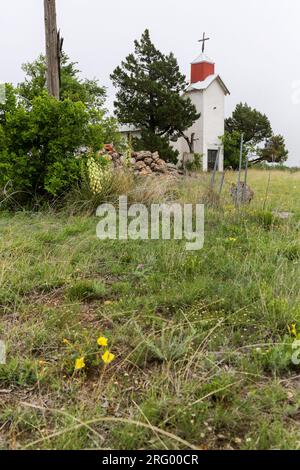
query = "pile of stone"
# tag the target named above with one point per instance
(146, 163)
(143, 163)
(241, 194)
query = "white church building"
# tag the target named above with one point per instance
(207, 92)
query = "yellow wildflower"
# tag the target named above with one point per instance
(79, 363)
(67, 342)
(102, 341)
(293, 330)
(108, 357)
(231, 239)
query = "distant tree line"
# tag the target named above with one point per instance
(260, 144)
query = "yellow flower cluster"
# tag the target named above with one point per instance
(79, 363)
(107, 357)
(103, 342)
(293, 330)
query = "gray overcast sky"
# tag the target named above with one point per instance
(255, 43)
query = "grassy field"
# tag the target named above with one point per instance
(203, 354)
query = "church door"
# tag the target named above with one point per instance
(212, 156)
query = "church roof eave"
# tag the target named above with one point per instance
(227, 92)
(200, 86)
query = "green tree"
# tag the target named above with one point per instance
(259, 140)
(274, 151)
(149, 95)
(255, 126)
(103, 128)
(87, 91)
(232, 146)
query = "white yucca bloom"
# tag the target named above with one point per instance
(97, 175)
(2, 93)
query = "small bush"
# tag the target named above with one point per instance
(86, 290)
(264, 218)
(292, 252)
(170, 345)
(19, 373)
(41, 138)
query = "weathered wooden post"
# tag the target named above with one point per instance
(246, 179)
(238, 201)
(241, 160)
(53, 48)
(216, 167)
(222, 182)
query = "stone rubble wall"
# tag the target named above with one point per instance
(144, 163)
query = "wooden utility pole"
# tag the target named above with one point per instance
(53, 48)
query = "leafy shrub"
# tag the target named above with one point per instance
(264, 218)
(40, 137)
(196, 164)
(38, 145)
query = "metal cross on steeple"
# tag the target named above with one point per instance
(203, 42)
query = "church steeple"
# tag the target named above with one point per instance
(203, 66)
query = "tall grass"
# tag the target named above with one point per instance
(202, 345)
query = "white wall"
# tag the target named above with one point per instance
(132, 134)
(210, 126)
(214, 115)
(197, 128)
